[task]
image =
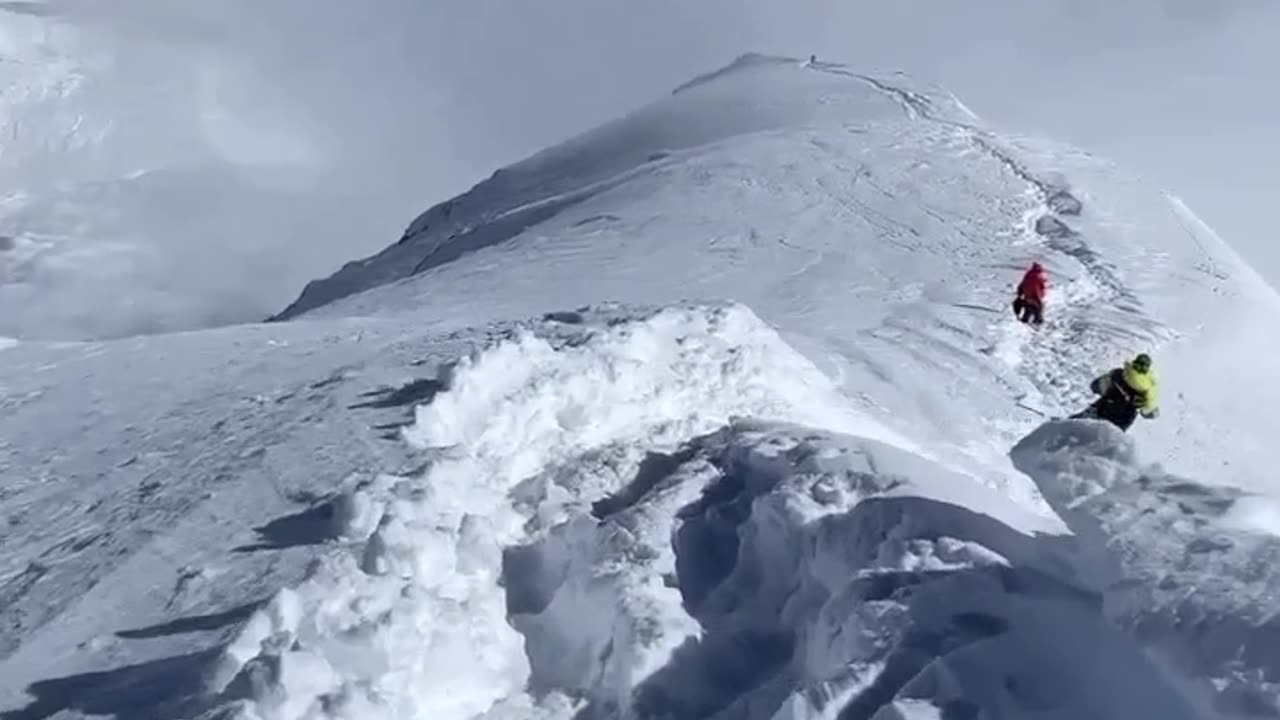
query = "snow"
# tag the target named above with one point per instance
(716, 411)
(518, 415)
(1193, 572)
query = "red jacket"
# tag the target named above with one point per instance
(1034, 284)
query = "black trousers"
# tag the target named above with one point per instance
(1028, 311)
(1117, 411)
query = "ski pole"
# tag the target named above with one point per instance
(1031, 409)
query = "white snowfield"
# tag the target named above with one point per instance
(718, 411)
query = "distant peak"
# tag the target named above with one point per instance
(742, 62)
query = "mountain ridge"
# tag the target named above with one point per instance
(740, 432)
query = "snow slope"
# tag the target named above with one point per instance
(706, 413)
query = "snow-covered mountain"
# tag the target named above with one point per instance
(715, 411)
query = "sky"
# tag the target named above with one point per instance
(175, 164)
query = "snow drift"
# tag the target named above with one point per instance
(707, 413)
(525, 430)
(828, 575)
(1189, 569)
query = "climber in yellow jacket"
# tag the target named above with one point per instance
(1124, 393)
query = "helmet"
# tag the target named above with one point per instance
(1142, 362)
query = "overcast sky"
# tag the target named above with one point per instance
(392, 105)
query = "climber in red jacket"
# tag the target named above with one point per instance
(1029, 305)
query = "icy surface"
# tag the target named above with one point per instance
(705, 414)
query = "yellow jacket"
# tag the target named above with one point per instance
(1140, 388)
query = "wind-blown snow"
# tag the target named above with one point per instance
(706, 413)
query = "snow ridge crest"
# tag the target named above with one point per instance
(549, 417)
(637, 512)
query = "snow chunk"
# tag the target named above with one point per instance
(775, 571)
(529, 431)
(1181, 563)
